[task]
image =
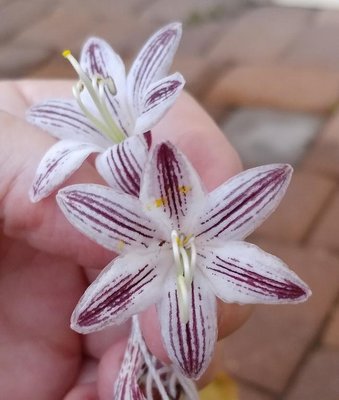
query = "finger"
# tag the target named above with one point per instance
(86, 391)
(17, 96)
(85, 387)
(42, 225)
(109, 367)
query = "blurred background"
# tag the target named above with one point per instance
(268, 72)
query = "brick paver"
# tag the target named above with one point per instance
(319, 378)
(248, 393)
(269, 347)
(298, 89)
(331, 333)
(326, 233)
(235, 55)
(292, 221)
(259, 35)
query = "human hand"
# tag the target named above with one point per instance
(45, 264)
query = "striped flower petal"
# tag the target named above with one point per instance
(113, 220)
(99, 59)
(171, 191)
(158, 99)
(127, 286)
(64, 120)
(152, 62)
(122, 165)
(190, 346)
(240, 272)
(127, 386)
(237, 207)
(57, 165)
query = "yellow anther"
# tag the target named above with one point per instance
(159, 202)
(186, 239)
(180, 243)
(185, 189)
(66, 53)
(120, 245)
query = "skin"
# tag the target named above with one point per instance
(45, 264)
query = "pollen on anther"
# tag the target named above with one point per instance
(185, 189)
(159, 202)
(66, 53)
(120, 245)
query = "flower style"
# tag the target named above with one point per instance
(180, 248)
(109, 109)
(141, 374)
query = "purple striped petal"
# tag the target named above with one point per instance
(190, 346)
(122, 165)
(240, 272)
(127, 286)
(171, 191)
(57, 165)
(127, 386)
(237, 207)
(152, 62)
(64, 120)
(99, 59)
(113, 220)
(158, 99)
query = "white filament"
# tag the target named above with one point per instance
(185, 256)
(96, 89)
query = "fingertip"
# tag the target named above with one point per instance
(231, 317)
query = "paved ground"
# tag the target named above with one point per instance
(270, 76)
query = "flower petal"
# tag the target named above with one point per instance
(122, 165)
(158, 99)
(152, 62)
(240, 272)
(99, 59)
(126, 386)
(113, 220)
(237, 207)
(127, 286)
(171, 191)
(57, 165)
(190, 346)
(64, 120)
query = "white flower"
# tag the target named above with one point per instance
(180, 248)
(109, 107)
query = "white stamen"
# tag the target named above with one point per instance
(185, 255)
(96, 89)
(182, 299)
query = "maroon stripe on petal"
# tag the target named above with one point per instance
(189, 342)
(151, 59)
(113, 216)
(246, 279)
(160, 93)
(170, 181)
(245, 202)
(64, 116)
(116, 297)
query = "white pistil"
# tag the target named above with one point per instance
(184, 253)
(96, 89)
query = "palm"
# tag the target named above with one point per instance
(45, 265)
(38, 292)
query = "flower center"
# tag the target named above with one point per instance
(185, 255)
(96, 89)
